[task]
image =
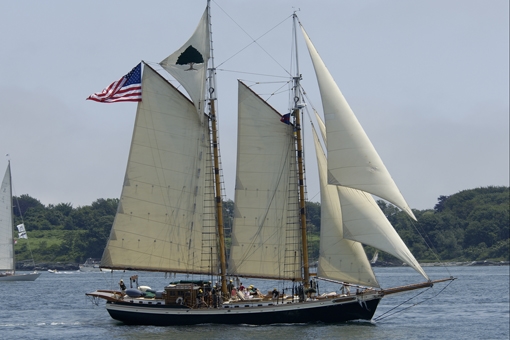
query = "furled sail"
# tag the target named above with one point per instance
(165, 220)
(364, 222)
(6, 239)
(188, 65)
(339, 259)
(266, 234)
(352, 159)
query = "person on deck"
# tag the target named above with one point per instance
(207, 292)
(230, 286)
(200, 296)
(253, 290)
(122, 286)
(214, 297)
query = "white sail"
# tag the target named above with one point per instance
(339, 259)
(166, 198)
(188, 65)
(375, 257)
(266, 235)
(364, 222)
(6, 239)
(352, 159)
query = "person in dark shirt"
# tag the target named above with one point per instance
(230, 286)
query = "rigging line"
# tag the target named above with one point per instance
(23, 222)
(381, 316)
(430, 245)
(254, 40)
(276, 91)
(167, 76)
(264, 82)
(313, 128)
(307, 111)
(305, 94)
(256, 74)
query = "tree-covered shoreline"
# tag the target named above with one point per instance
(472, 225)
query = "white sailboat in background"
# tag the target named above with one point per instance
(375, 258)
(7, 258)
(170, 213)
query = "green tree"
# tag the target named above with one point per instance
(24, 203)
(313, 215)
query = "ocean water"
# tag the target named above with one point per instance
(475, 306)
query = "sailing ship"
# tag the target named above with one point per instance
(375, 258)
(7, 258)
(170, 216)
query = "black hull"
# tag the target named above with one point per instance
(326, 312)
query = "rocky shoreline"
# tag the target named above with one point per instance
(61, 266)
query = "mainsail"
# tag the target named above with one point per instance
(166, 217)
(352, 159)
(6, 239)
(266, 236)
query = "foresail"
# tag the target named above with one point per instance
(364, 222)
(166, 199)
(6, 239)
(339, 259)
(188, 65)
(266, 234)
(352, 159)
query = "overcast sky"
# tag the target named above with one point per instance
(428, 80)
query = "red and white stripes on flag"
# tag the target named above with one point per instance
(126, 89)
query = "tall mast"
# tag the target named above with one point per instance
(297, 106)
(217, 179)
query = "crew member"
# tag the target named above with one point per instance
(230, 286)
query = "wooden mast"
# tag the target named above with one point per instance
(217, 177)
(302, 206)
(298, 105)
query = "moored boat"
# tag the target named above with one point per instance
(7, 258)
(90, 265)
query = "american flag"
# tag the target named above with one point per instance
(126, 89)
